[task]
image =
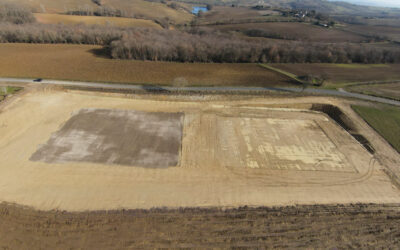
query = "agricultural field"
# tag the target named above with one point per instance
(150, 10)
(386, 32)
(94, 20)
(134, 8)
(226, 15)
(77, 62)
(386, 90)
(322, 227)
(52, 6)
(384, 119)
(294, 31)
(218, 153)
(342, 74)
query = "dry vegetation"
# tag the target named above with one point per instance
(94, 20)
(344, 73)
(12, 13)
(76, 62)
(194, 45)
(350, 226)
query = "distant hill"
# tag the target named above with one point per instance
(331, 7)
(379, 3)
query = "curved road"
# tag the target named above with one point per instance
(340, 92)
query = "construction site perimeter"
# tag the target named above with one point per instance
(84, 151)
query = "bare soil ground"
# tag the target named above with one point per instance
(226, 159)
(323, 227)
(77, 62)
(295, 31)
(387, 32)
(342, 73)
(226, 15)
(121, 137)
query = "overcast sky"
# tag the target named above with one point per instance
(382, 3)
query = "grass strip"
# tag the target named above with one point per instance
(282, 72)
(385, 119)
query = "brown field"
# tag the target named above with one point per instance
(346, 73)
(222, 14)
(296, 31)
(390, 32)
(76, 62)
(316, 227)
(393, 22)
(389, 90)
(232, 153)
(94, 20)
(51, 6)
(137, 8)
(151, 10)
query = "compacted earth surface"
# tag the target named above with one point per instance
(93, 169)
(121, 137)
(76, 150)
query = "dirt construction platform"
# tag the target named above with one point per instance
(121, 137)
(79, 151)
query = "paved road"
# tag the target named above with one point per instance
(340, 92)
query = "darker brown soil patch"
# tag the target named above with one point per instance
(123, 137)
(322, 227)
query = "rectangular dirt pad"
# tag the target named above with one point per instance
(122, 137)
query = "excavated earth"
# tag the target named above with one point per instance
(76, 151)
(78, 167)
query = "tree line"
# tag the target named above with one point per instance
(181, 46)
(12, 13)
(167, 45)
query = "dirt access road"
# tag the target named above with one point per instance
(221, 90)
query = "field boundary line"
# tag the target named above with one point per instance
(282, 72)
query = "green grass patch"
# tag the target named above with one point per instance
(385, 119)
(282, 72)
(9, 90)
